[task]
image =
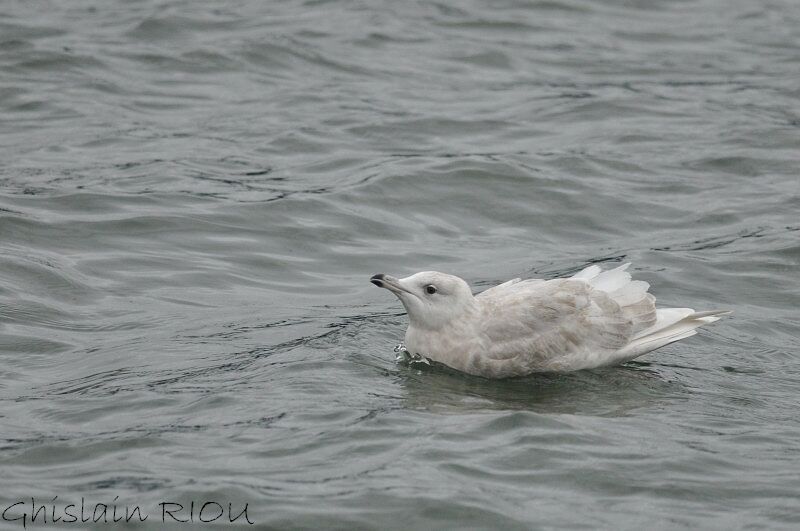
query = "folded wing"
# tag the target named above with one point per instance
(592, 319)
(561, 324)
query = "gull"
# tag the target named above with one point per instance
(592, 319)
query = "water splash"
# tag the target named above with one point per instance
(403, 355)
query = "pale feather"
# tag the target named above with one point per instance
(591, 319)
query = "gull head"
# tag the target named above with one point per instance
(431, 299)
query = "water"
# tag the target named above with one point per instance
(195, 194)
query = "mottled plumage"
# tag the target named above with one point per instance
(591, 319)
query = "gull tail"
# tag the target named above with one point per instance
(652, 328)
(672, 324)
(637, 305)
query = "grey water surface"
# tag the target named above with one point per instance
(194, 194)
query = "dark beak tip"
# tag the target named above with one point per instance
(377, 279)
(377, 282)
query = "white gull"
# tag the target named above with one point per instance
(591, 319)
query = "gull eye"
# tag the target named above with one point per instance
(430, 289)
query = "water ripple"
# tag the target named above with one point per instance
(192, 201)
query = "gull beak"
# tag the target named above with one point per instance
(388, 282)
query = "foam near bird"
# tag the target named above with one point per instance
(591, 319)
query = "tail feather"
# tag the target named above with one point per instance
(588, 273)
(612, 280)
(642, 314)
(665, 317)
(631, 293)
(637, 305)
(672, 324)
(652, 328)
